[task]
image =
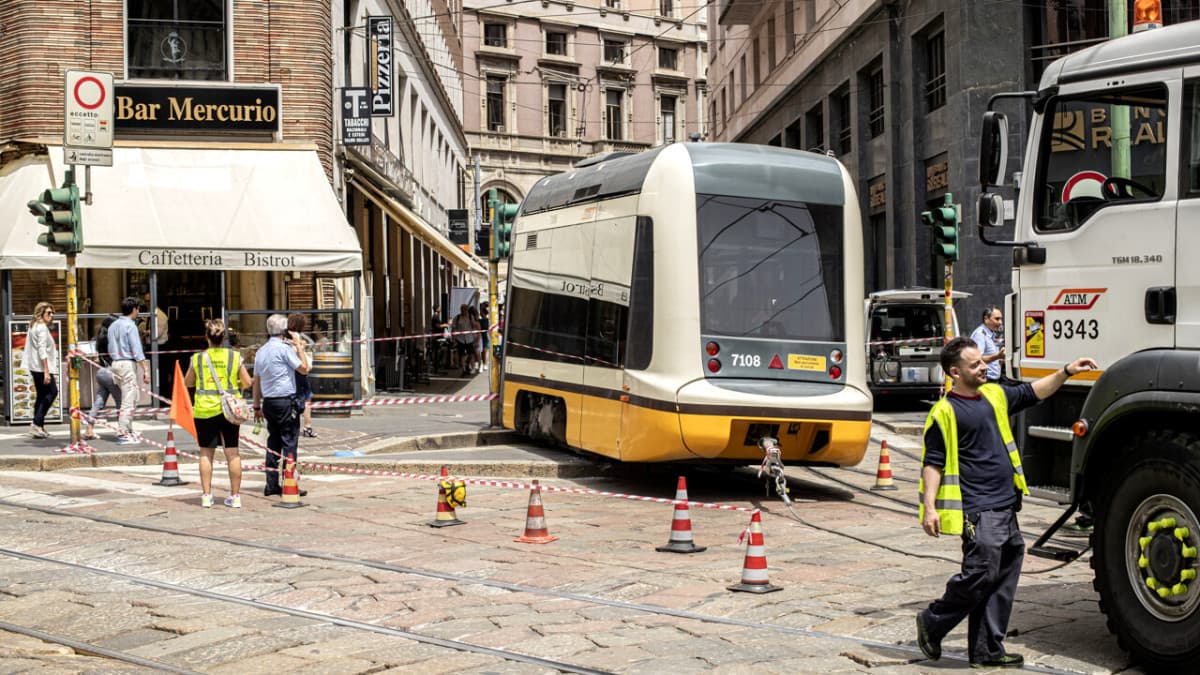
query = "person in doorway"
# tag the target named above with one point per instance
(126, 350)
(297, 324)
(464, 338)
(989, 342)
(439, 341)
(106, 386)
(211, 371)
(971, 485)
(155, 343)
(485, 334)
(41, 360)
(275, 366)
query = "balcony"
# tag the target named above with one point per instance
(738, 12)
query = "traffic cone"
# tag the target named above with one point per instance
(680, 540)
(754, 569)
(883, 476)
(291, 489)
(445, 512)
(535, 520)
(170, 474)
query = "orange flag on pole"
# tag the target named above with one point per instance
(181, 405)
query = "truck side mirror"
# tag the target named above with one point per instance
(993, 149)
(990, 210)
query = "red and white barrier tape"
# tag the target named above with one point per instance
(405, 400)
(565, 356)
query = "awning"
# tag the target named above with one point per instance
(422, 230)
(194, 208)
(22, 181)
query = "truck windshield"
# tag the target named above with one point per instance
(1102, 149)
(770, 269)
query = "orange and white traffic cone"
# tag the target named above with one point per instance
(291, 489)
(754, 569)
(445, 511)
(535, 520)
(170, 474)
(883, 476)
(680, 540)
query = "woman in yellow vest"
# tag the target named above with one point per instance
(212, 429)
(971, 485)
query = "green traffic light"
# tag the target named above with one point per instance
(59, 210)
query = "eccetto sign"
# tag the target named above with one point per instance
(174, 108)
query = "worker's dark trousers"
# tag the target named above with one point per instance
(983, 591)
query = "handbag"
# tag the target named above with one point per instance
(233, 406)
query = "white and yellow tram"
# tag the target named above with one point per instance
(683, 302)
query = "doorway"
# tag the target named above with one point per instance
(184, 300)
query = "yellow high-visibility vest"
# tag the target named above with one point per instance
(948, 500)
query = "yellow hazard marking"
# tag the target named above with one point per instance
(806, 362)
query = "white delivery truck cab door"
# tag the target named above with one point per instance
(1187, 223)
(1103, 187)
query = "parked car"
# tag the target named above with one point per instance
(905, 330)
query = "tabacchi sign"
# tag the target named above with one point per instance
(382, 66)
(178, 108)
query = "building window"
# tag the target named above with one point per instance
(495, 102)
(791, 136)
(875, 90)
(177, 40)
(845, 131)
(613, 111)
(495, 35)
(814, 121)
(666, 8)
(667, 108)
(770, 44)
(556, 109)
(614, 51)
(556, 43)
(757, 64)
(742, 68)
(668, 59)
(612, 4)
(935, 79)
(789, 25)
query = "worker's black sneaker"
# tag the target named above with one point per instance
(930, 648)
(1006, 661)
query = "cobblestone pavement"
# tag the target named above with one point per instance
(599, 597)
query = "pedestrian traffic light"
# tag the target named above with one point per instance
(944, 220)
(483, 240)
(58, 209)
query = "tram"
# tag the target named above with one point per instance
(685, 302)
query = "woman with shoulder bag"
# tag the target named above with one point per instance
(211, 372)
(41, 360)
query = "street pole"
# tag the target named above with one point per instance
(948, 305)
(72, 343)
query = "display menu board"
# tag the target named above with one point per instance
(21, 392)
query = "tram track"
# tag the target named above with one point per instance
(445, 576)
(88, 649)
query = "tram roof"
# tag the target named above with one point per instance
(736, 169)
(1164, 47)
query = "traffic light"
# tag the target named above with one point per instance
(483, 240)
(944, 220)
(503, 226)
(58, 209)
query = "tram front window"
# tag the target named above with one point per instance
(770, 269)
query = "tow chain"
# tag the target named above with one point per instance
(772, 465)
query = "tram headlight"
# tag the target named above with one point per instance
(712, 348)
(836, 356)
(835, 372)
(714, 366)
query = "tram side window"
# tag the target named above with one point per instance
(1105, 149)
(607, 326)
(554, 324)
(1191, 139)
(641, 298)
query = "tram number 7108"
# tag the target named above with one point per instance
(746, 360)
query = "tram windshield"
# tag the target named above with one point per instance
(770, 269)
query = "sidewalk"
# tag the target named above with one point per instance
(372, 430)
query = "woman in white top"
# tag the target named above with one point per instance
(41, 360)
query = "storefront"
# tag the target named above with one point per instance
(232, 230)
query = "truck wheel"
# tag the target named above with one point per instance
(1145, 558)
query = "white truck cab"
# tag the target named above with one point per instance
(1107, 223)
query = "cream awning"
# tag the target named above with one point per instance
(192, 208)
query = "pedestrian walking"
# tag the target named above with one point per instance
(971, 485)
(106, 385)
(41, 360)
(211, 372)
(464, 339)
(987, 338)
(125, 347)
(298, 324)
(275, 366)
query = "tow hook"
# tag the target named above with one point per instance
(772, 466)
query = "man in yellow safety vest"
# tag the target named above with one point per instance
(971, 485)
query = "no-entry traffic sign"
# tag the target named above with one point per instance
(88, 111)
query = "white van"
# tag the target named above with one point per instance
(904, 340)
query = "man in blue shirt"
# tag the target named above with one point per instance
(125, 348)
(275, 366)
(969, 450)
(987, 339)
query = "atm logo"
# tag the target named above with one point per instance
(1077, 298)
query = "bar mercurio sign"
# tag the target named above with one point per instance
(145, 108)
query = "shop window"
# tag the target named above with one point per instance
(935, 71)
(556, 110)
(182, 40)
(668, 59)
(495, 35)
(556, 43)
